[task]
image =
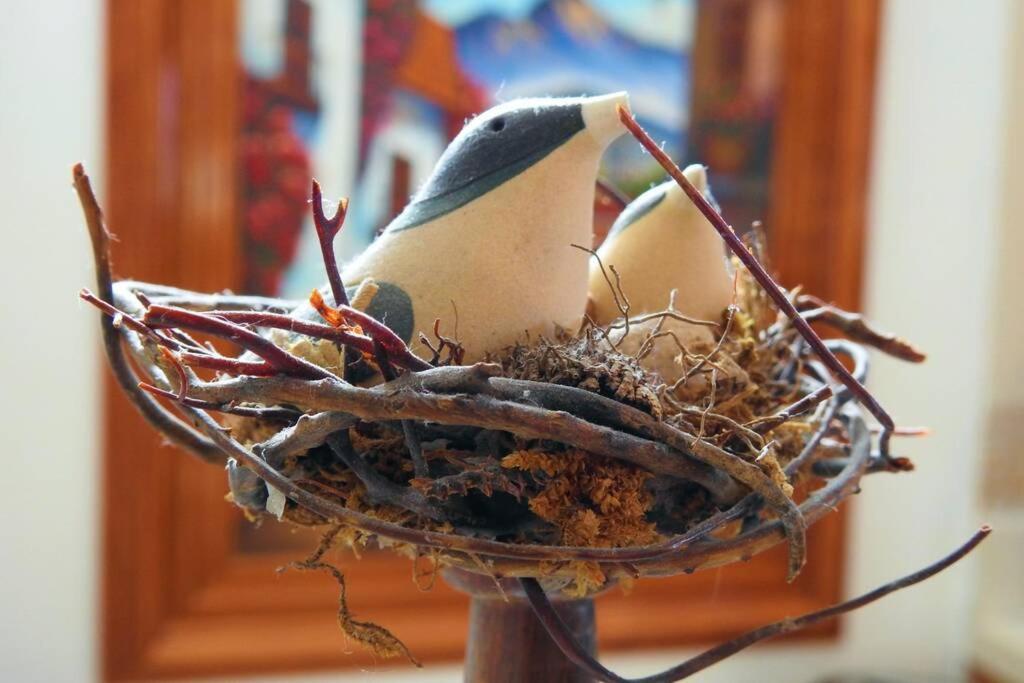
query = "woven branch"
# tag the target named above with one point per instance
(146, 332)
(474, 396)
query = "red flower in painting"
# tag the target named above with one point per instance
(276, 177)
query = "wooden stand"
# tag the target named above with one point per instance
(506, 641)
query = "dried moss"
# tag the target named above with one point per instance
(585, 363)
(591, 501)
(376, 638)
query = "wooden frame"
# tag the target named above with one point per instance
(177, 599)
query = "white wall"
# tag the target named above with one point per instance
(999, 628)
(50, 89)
(936, 201)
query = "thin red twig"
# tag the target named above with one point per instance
(198, 357)
(343, 335)
(398, 352)
(282, 361)
(232, 366)
(179, 370)
(563, 637)
(770, 287)
(119, 317)
(279, 321)
(326, 230)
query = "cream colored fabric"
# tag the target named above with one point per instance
(671, 247)
(503, 261)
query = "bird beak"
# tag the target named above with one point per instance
(601, 116)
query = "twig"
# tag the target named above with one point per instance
(309, 431)
(201, 357)
(570, 647)
(120, 318)
(487, 478)
(201, 301)
(279, 359)
(730, 315)
(326, 230)
(387, 403)
(179, 371)
(278, 321)
(831, 409)
(380, 488)
(664, 557)
(231, 366)
(763, 425)
(765, 280)
(412, 440)
(710, 405)
(412, 443)
(258, 412)
(396, 349)
(754, 440)
(162, 419)
(648, 344)
(674, 315)
(857, 328)
(621, 302)
(455, 351)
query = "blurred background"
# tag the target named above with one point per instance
(881, 143)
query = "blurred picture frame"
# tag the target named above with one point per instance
(180, 596)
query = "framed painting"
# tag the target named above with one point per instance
(219, 114)
(710, 95)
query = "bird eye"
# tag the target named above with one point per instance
(497, 125)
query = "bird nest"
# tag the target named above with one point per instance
(561, 462)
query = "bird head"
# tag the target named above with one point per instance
(505, 141)
(601, 116)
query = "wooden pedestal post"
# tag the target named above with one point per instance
(506, 641)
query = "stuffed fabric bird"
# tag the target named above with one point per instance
(487, 238)
(659, 243)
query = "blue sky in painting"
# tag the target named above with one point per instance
(665, 23)
(526, 48)
(553, 57)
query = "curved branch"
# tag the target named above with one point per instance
(857, 328)
(162, 419)
(326, 230)
(571, 648)
(386, 403)
(594, 406)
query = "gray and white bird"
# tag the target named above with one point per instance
(661, 242)
(488, 236)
